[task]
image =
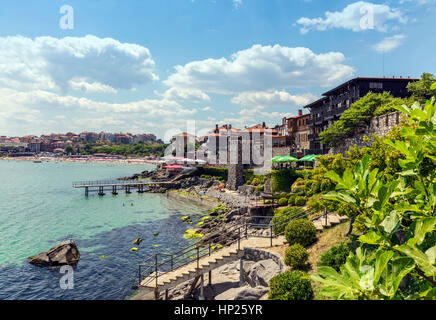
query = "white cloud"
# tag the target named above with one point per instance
(83, 85)
(237, 3)
(262, 68)
(186, 94)
(354, 17)
(272, 98)
(389, 43)
(49, 63)
(44, 100)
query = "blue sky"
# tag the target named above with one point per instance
(149, 66)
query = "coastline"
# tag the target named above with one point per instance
(94, 160)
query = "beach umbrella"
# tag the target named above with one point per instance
(308, 158)
(289, 159)
(278, 160)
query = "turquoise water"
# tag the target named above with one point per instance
(39, 208)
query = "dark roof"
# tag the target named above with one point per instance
(368, 79)
(310, 105)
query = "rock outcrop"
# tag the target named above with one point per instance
(64, 253)
(243, 293)
(260, 273)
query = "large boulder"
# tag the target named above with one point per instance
(65, 253)
(261, 273)
(243, 293)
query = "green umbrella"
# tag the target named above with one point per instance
(278, 159)
(308, 158)
(290, 159)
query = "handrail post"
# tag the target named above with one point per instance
(198, 257)
(139, 275)
(210, 249)
(246, 230)
(155, 269)
(172, 263)
(239, 238)
(271, 234)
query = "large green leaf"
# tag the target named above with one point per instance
(431, 254)
(341, 196)
(420, 258)
(371, 237)
(422, 227)
(391, 222)
(381, 261)
(397, 269)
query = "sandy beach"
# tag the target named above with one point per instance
(87, 160)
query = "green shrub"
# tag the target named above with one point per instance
(296, 256)
(219, 173)
(335, 257)
(316, 187)
(300, 231)
(283, 202)
(300, 201)
(250, 176)
(315, 202)
(260, 189)
(255, 182)
(282, 180)
(291, 200)
(281, 218)
(290, 285)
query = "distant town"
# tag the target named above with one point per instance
(71, 143)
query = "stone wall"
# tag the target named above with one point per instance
(281, 151)
(379, 126)
(253, 254)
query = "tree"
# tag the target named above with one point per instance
(421, 90)
(69, 149)
(399, 217)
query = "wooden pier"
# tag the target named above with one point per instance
(113, 186)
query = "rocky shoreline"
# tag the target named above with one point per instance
(235, 209)
(237, 206)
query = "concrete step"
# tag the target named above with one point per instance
(333, 219)
(318, 225)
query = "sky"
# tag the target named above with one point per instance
(150, 66)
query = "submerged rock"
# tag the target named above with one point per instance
(64, 253)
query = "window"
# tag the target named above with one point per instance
(376, 85)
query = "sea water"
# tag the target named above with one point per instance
(39, 208)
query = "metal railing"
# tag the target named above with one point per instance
(100, 183)
(149, 271)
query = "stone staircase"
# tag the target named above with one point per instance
(205, 264)
(322, 223)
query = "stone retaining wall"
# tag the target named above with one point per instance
(253, 254)
(379, 126)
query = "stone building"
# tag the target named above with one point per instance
(329, 108)
(379, 126)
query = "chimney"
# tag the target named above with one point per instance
(263, 125)
(300, 112)
(216, 129)
(230, 127)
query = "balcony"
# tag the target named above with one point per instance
(313, 137)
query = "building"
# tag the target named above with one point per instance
(90, 137)
(298, 131)
(330, 107)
